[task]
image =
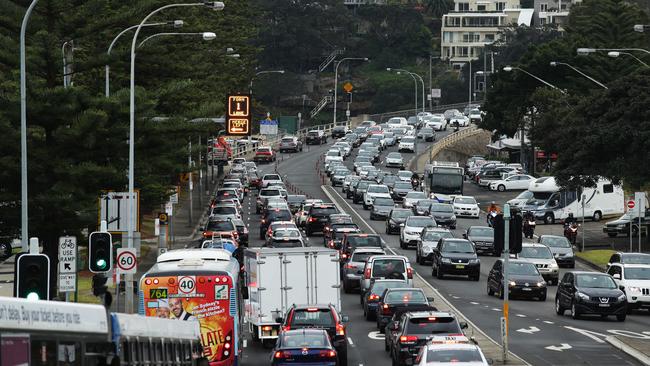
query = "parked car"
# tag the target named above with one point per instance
(455, 257)
(513, 182)
(622, 224)
(594, 293)
(524, 280)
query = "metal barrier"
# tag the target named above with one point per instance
(450, 139)
(409, 112)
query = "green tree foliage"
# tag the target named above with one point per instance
(438, 8)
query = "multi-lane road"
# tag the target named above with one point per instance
(537, 334)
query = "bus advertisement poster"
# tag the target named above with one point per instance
(206, 299)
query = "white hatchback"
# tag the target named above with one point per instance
(466, 206)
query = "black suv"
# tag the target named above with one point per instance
(359, 189)
(397, 298)
(406, 335)
(277, 214)
(455, 257)
(318, 216)
(396, 217)
(322, 317)
(523, 277)
(353, 241)
(339, 131)
(590, 293)
(482, 237)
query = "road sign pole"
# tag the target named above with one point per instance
(629, 212)
(506, 280)
(584, 197)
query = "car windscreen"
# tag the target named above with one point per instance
(394, 155)
(271, 177)
(340, 234)
(385, 267)
(404, 174)
(286, 243)
(416, 195)
(436, 235)
(401, 214)
(270, 192)
(383, 202)
(433, 325)
(364, 241)
(283, 233)
(312, 133)
(296, 199)
(402, 296)
(536, 253)
(453, 356)
(377, 189)
(420, 221)
(379, 287)
(363, 184)
(279, 215)
(635, 259)
(457, 246)
(323, 210)
(595, 281)
(287, 139)
(442, 207)
(482, 231)
(403, 185)
(523, 269)
(362, 256)
(304, 340)
(556, 242)
(424, 203)
(465, 200)
(408, 139)
(224, 210)
(639, 273)
(313, 317)
(220, 226)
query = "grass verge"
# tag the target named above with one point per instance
(599, 257)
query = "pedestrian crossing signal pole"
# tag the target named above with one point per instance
(506, 280)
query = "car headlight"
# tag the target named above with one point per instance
(426, 249)
(541, 284)
(512, 283)
(582, 296)
(453, 217)
(474, 261)
(570, 254)
(634, 289)
(622, 297)
(446, 260)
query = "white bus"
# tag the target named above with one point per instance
(550, 203)
(40, 333)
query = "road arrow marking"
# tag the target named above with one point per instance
(560, 348)
(530, 330)
(376, 336)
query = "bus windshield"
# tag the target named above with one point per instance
(446, 183)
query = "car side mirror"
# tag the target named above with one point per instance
(464, 236)
(463, 325)
(430, 299)
(278, 320)
(401, 225)
(617, 276)
(202, 228)
(394, 326)
(345, 319)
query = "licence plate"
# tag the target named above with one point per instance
(527, 289)
(603, 305)
(460, 266)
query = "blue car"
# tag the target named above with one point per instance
(304, 347)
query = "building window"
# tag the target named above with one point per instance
(489, 38)
(501, 6)
(563, 7)
(463, 6)
(543, 7)
(471, 37)
(480, 7)
(448, 37)
(542, 21)
(463, 51)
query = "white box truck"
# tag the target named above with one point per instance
(280, 277)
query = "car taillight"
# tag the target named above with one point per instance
(344, 255)
(331, 244)
(282, 354)
(263, 221)
(409, 272)
(350, 266)
(366, 274)
(407, 339)
(385, 309)
(328, 354)
(340, 329)
(373, 297)
(312, 219)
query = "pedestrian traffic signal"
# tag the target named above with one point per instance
(516, 229)
(498, 226)
(100, 252)
(33, 276)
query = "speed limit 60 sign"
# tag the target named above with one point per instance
(126, 261)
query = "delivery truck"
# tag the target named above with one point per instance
(280, 277)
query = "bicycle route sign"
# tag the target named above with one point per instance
(67, 254)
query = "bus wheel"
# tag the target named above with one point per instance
(597, 216)
(549, 219)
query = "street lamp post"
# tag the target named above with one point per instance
(107, 68)
(510, 68)
(24, 232)
(207, 36)
(336, 79)
(555, 64)
(250, 86)
(415, 81)
(130, 216)
(615, 54)
(484, 74)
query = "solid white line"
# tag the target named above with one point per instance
(474, 303)
(451, 306)
(496, 309)
(548, 322)
(521, 315)
(350, 341)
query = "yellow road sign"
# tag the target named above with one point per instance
(348, 87)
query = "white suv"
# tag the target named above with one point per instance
(375, 191)
(407, 143)
(634, 279)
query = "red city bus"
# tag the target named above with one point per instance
(198, 285)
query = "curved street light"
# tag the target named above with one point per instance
(250, 86)
(615, 54)
(510, 68)
(413, 75)
(336, 79)
(207, 36)
(555, 64)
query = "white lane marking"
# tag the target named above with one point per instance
(588, 333)
(474, 303)
(560, 348)
(521, 315)
(496, 309)
(350, 341)
(455, 297)
(529, 330)
(244, 343)
(548, 322)
(376, 336)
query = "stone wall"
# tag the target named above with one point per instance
(463, 149)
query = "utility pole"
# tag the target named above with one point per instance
(506, 280)
(189, 182)
(430, 96)
(200, 176)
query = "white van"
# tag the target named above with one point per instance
(397, 122)
(550, 203)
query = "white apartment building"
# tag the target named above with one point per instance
(552, 11)
(475, 23)
(364, 2)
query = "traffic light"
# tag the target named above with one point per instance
(516, 229)
(33, 277)
(100, 252)
(498, 225)
(100, 289)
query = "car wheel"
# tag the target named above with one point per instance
(365, 207)
(543, 297)
(346, 288)
(621, 317)
(597, 216)
(402, 244)
(559, 310)
(501, 188)
(387, 230)
(490, 292)
(554, 281)
(549, 219)
(574, 311)
(439, 274)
